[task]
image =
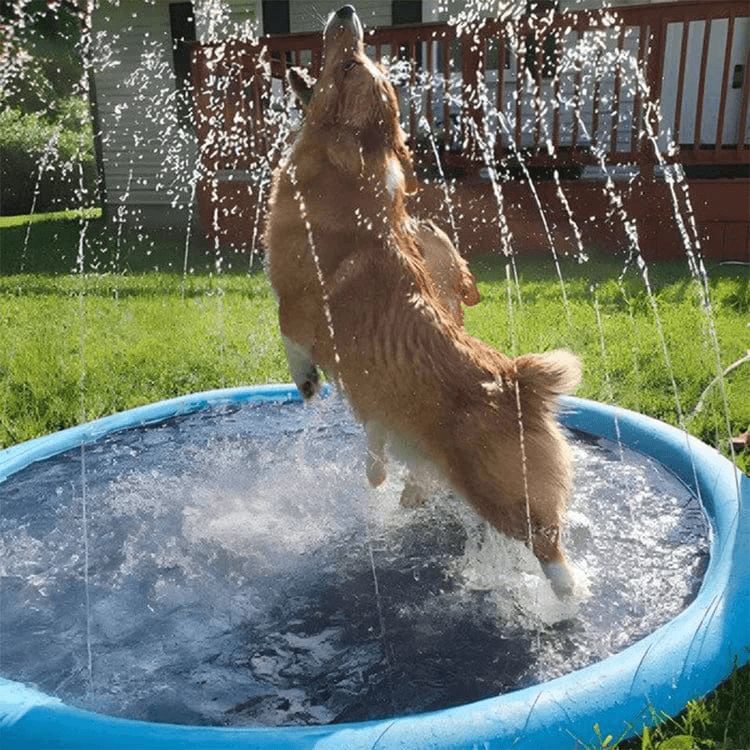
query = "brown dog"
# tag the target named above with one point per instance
(356, 298)
(454, 281)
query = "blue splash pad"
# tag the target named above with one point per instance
(684, 659)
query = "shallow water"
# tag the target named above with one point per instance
(230, 579)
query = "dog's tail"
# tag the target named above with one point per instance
(550, 374)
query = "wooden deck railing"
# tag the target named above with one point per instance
(569, 88)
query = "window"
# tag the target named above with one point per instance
(276, 17)
(404, 13)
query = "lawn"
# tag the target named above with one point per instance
(93, 322)
(90, 327)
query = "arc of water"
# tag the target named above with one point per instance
(387, 656)
(193, 192)
(329, 322)
(85, 83)
(262, 183)
(684, 219)
(634, 327)
(487, 147)
(543, 217)
(298, 196)
(602, 345)
(618, 207)
(86, 569)
(692, 249)
(43, 164)
(634, 246)
(581, 255)
(511, 315)
(524, 466)
(535, 195)
(608, 383)
(424, 125)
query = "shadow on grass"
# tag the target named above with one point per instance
(122, 287)
(64, 245)
(602, 268)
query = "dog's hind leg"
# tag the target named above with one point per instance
(560, 577)
(376, 437)
(547, 546)
(304, 372)
(421, 482)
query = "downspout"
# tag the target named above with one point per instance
(86, 10)
(101, 180)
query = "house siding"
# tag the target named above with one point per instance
(309, 15)
(148, 156)
(135, 95)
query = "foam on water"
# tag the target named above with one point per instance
(230, 575)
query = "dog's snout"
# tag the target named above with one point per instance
(344, 18)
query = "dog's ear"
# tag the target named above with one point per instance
(344, 151)
(302, 85)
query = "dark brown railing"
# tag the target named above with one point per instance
(575, 88)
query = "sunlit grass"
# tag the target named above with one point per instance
(78, 348)
(719, 722)
(653, 355)
(78, 213)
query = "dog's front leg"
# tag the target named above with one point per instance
(375, 462)
(304, 371)
(296, 321)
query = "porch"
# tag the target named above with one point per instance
(558, 112)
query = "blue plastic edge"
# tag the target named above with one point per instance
(685, 659)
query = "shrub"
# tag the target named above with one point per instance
(44, 156)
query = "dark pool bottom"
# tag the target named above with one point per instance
(240, 572)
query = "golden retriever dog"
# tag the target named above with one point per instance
(355, 297)
(454, 281)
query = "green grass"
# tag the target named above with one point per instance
(77, 348)
(719, 722)
(76, 213)
(117, 334)
(80, 241)
(658, 367)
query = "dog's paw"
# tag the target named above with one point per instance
(302, 367)
(375, 471)
(561, 578)
(310, 386)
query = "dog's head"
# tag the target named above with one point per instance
(354, 102)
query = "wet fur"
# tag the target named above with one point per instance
(356, 298)
(455, 284)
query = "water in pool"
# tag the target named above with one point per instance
(241, 572)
